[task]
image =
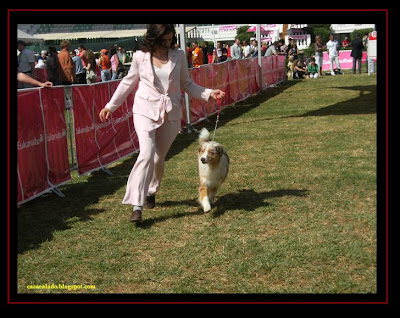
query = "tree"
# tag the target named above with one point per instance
(242, 33)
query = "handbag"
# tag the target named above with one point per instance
(90, 75)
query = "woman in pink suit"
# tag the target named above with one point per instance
(161, 71)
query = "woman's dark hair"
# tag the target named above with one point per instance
(154, 34)
(112, 51)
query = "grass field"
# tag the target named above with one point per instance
(297, 213)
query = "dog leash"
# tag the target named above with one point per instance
(219, 102)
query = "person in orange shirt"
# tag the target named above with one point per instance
(197, 53)
(105, 65)
(67, 70)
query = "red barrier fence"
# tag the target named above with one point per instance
(42, 143)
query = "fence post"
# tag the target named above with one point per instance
(258, 34)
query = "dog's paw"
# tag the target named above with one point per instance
(206, 205)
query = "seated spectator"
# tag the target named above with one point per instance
(300, 71)
(312, 68)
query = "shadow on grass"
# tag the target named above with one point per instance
(244, 199)
(37, 220)
(363, 104)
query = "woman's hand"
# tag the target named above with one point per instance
(217, 94)
(104, 114)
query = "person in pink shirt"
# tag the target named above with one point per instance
(160, 71)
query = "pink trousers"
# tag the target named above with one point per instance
(145, 177)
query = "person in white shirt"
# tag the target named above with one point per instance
(26, 63)
(246, 49)
(332, 47)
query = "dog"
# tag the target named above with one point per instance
(291, 64)
(213, 163)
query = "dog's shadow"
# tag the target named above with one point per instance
(244, 199)
(250, 200)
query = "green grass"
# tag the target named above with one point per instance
(297, 213)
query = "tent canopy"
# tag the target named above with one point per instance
(28, 38)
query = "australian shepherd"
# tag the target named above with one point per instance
(213, 168)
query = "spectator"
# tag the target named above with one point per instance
(370, 62)
(283, 47)
(105, 65)
(246, 49)
(228, 49)
(115, 64)
(254, 49)
(299, 71)
(204, 48)
(80, 72)
(263, 48)
(346, 42)
(53, 66)
(197, 55)
(67, 67)
(273, 49)
(356, 53)
(211, 55)
(90, 67)
(25, 78)
(82, 54)
(313, 68)
(222, 53)
(332, 47)
(42, 60)
(293, 50)
(26, 63)
(189, 55)
(236, 50)
(319, 55)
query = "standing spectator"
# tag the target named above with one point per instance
(211, 54)
(246, 49)
(293, 50)
(332, 47)
(228, 49)
(53, 66)
(346, 42)
(205, 52)
(115, 64)
(263, 48)
(254, 49)
(189, 55)
(283, 47)
(42, 60)
(90, 67)
(370, 62)
(105, 65)
(79, 69)
(319, 55)
(222, 53)
(197, 55)
(82, 54)
(236, 50)
(273, 49)
(356, 53)
(26, 63)
(67, 67)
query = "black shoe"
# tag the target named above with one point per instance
(136, 216)
(150, 202)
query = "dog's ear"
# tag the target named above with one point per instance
(219, 150)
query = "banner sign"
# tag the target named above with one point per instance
(345, 60)
(41, 143)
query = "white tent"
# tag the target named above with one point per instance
(28, 38)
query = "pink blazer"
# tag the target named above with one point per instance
(149, 102)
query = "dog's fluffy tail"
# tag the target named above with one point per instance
(204, 135)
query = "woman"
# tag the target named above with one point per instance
(319, 55)
(105, 65)
(114, 63)
(90, 67)
(161, 71)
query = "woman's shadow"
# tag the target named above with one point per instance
(244, 199)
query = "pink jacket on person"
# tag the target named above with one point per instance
(149, 101)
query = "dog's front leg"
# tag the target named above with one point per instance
(203, 198)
